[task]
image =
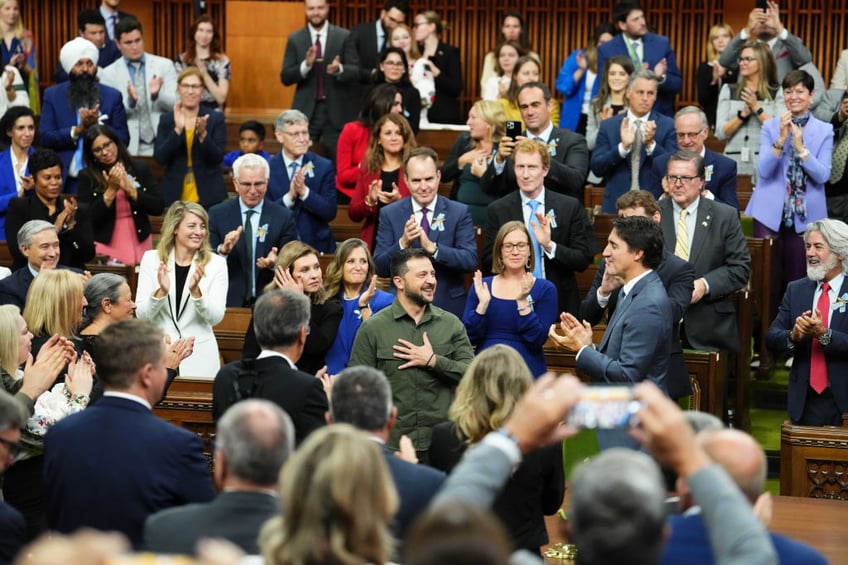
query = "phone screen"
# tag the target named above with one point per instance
(605, 407)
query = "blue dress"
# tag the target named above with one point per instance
(339, 353)
(503, 324)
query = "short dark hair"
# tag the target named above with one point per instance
(546, 91)
(798, 77)
(422, 152)
(254, 448)
(362, 397)
(642, 234)
(636, 199)
(623, 9)
(401, 5)
(90, 17)
(125, 347)
(127, 25)
(278, 316)
(255, 127)
(691, 157)
(400, 259)
(7, 122)
(43, 159)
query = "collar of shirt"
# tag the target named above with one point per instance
(265, 353)
(381, 33)
(322, 33)
(31, 270)
(545, 134)
(632, 117)
(257, 208)
(416, 207)
(288, 162)
(128, 396)
(835, 285)
(525, 199)
(692, 208)
(632, 282)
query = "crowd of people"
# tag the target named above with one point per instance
(380, 400)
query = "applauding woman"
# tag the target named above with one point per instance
(204, 53)
(17, 128)
(182, 286)
(120, 193)
(512, 307)
(352, 279)
(444, 65)
(381, 180)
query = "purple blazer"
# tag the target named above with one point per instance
(766, 204)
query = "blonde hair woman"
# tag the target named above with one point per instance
(339, 497)
(182, 286)
(470, 157)
(486, 396)
(708, 79)
(298, 269)
(54, 305)
(18, 51)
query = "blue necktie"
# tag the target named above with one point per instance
(537, 249)
(293, 168)
(76, 161)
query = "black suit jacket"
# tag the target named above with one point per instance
(236, 516)
(12, 532)
(720, 255)
(567, 175)
(416, 485)
(360, 51)
(445, 108)
(677, 277)
(576, 244)
(14, 288)
(300, 394)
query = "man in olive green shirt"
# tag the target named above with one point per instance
(422, 349)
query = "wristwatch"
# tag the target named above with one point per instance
(824, 339)
(759, 111)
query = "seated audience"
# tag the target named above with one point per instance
(249, 230)
(303, 182)
(203, 52)
(251, 140)
(190, 144)
(381, 180)
(393, 68)
(494, 382)
(513, 307)
(352, 280)
(165, 463)
(281, 325)
(17, 130)
(38, 242)
(298, 269)
(46, 202)
(252, 441)
(182, 286)
(120, 193)
(444, 64)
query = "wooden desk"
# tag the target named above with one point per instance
(813, 460)
(818, 522)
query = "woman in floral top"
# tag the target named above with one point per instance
(204, 52)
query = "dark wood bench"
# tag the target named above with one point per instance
(813, 461)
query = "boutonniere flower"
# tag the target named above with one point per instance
(262, 233)
(708, 172)
(552, 147)
(135, 184)
(841, 303)
(309, 169)
(103, 119)
(438, 222)
(551, 218)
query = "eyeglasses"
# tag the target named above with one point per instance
(13, 447)
(297, 134)
(521, 246)
(103, 148)
(675, 179)
(258, 184)
(190, 86)
(688, 135)
(393, 63)
(747, 59)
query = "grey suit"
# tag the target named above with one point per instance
(720, 255)
(236, 516)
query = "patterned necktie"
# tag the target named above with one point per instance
(250, 262)
(636, 156)
(146, 132)
(425, 224)
(319, 69)
(818, 365)
(537, 249)
(840, 157)
(681, 247)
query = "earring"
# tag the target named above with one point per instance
(527, 264)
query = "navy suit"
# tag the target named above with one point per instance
(720, 177)
(608, 164)
(677, 277)
(314, 214)
(14, 288)
(457, 253)
(112, 465)
(275, 221)
(654, 48)
(416, 485)
(12, 532)
(576, 244)
(171, 152)
(58, 118)
(637, 342)
(797, 300)
(689, 543)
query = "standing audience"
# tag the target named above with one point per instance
(17, 130)
(203, 52)
(444, 64)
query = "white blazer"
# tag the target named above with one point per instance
(195, 316)
(117, 75)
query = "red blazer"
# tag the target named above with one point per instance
(358, 211)
(350, 151)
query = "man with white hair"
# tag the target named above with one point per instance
(812, 327)
(249, 230)
(71, 107)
